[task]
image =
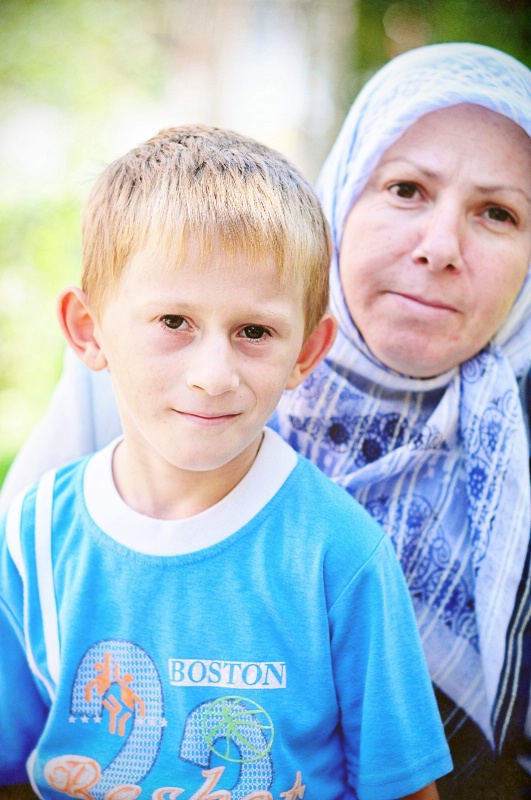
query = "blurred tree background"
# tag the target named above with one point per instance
(81, 83)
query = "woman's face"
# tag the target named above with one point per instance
(437, 246)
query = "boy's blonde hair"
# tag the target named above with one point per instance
(219, 188)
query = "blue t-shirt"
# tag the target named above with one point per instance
(265, 648)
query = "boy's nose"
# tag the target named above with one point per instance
(440, 240)
(213, 369)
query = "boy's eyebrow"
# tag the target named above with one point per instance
(168, 305)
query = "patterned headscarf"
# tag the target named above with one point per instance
(442, 463)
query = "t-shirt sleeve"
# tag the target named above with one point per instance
(22, 710)
(394, 738)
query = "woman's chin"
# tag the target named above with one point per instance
(415, 358)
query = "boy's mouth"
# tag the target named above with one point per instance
(207, 419)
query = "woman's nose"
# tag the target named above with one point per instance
(212, 368)
(440, 240)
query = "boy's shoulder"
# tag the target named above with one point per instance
(283, 490)
(324, 510)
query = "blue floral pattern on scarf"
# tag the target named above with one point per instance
(440, 576)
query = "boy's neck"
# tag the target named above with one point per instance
(157, 489)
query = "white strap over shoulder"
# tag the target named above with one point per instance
(43, 555)
(43, 518)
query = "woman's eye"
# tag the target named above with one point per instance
(499, 214)
(405, 189)
(255, 332)
(173, 321)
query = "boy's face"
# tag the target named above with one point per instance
(199, 356)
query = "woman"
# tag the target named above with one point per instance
(416, 412)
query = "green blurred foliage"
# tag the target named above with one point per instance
(65, 69)
(386, 28)
(78, 55)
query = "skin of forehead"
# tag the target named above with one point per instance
(477, 119)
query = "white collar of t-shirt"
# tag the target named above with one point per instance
(273, 464)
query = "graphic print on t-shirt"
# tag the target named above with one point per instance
(118, 687)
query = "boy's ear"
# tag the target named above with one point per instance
(78, 325)
(314, 350)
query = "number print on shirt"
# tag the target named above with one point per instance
(118, 684)
(235, 729)
(118, 687)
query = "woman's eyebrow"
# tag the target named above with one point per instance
(499, 187)
(433, 174)
(393, 162)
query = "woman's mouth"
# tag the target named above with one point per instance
(434, 305)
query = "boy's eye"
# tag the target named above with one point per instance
(173, 321)
(405, 189)
(499, 214)
(255, 332)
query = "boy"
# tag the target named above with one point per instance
(195, 610)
